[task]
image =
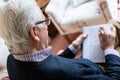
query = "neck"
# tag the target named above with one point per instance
(39, 48)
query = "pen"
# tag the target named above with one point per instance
(102, 32)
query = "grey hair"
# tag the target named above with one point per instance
(16, 17)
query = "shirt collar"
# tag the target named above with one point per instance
(35, 56)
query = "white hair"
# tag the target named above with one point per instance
(16, 17)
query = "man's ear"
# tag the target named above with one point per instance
(33, 33)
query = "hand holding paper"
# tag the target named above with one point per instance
(77, 42)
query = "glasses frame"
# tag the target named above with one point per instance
(47, 21)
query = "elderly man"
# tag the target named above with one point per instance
(24, 29)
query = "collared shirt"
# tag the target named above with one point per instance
(43, 54)
(36, 56)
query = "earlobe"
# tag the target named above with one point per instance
(37, 38)
(33, 33)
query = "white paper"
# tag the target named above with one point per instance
(91, 45)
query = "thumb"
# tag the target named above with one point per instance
(84, 36)
(113, 29)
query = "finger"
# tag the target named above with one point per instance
(101, 32)
(113, 29)
(100, 36)
(84, 36)
(101, 28)
(105, 30)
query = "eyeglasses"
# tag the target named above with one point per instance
(47, 21)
